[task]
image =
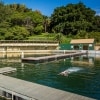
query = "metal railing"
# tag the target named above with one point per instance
(28, 41)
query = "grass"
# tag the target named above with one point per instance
(42, 36)
(48, 37)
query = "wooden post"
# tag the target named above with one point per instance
(22, 55)
(3, 54)
(64, 51)
(5, 51)
(12, 96)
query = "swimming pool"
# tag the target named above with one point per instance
(84, 81)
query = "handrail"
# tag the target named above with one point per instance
(14, 92)
(28, 41)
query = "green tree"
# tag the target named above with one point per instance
(17, 33)
(96, 23)
(16, 19)
(33, 21)
(59, 37)
(46, 23)
(72, 18)
(95, 35)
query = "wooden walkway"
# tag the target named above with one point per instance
(7, 70)
(50, 58)
(32, 91)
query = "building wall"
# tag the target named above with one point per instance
(16, 47)
(97, 47)
(82, 46)
(65, 47)
(76, 46)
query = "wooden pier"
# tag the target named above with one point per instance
(51, 58)
(16, 89)
(7, 70)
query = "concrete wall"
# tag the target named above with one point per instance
(82, 46)
(97, 47)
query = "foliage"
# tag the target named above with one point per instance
(72, 18)
(95, 35)
(42, 36)
(17, 22)
(96, 23)
(16, 33)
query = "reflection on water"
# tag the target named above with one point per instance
(19, 55)
(83, 61)
(85, 82)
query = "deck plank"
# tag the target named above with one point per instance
(37, 91)
(50, 58)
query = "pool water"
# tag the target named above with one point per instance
(84, 76)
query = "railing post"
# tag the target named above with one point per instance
(12, 96)
(22, 55)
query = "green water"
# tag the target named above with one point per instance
(85, 81)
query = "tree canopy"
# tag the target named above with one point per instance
(72, 19)
(18, 22)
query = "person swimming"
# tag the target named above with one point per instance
(64, 73)
(70, 70)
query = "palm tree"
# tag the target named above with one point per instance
(46, 23)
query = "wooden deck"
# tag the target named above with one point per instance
(7, 70)
(50, 58)
(32, 91)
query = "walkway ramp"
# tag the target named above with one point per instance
(51, 58)
(33, 91)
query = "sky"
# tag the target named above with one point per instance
(46, 7)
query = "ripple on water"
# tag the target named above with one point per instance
(84, 81)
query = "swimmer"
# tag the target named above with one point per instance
(64, 73)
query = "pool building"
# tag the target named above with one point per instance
(82, 44)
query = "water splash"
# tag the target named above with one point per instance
(74, 69)
(70, 70)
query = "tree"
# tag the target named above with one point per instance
(95, 35)
(33, 21)
(96, 23)
(5, 12)
(17, 19)
(72, 18)
(59, 37)
(16, 33)
(46, 23)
